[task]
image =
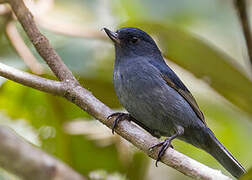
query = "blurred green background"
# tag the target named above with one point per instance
(203, 43)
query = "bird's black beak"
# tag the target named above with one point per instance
(112, 35)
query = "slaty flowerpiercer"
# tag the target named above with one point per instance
(157, 99)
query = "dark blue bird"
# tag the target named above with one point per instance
(157, 99)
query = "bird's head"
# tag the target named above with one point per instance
(130, 41)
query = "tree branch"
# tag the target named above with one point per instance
(38, 165)
(85, 100)
(33, 81)
(244, 20)
(40, 42)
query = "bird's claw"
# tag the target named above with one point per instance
(120, 117)
(165, 144)
(114, 114)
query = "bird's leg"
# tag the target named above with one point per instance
(120, 117)
(126, 116)
(167, 143)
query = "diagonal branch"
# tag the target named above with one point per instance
(40, 42)
(244, 20)
(85, 100)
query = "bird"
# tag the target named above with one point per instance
(157, 100)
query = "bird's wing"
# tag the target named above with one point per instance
(173, 81)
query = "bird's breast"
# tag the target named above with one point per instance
(143, 93)
(148, 98)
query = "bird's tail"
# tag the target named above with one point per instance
(221, 154)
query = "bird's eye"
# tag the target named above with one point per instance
(134, 40)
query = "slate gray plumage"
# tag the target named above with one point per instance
(158, 100)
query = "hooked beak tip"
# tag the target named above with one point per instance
(112, 35)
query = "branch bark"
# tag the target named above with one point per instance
(38, 165)
(244, 20)
(40, 42)
(33, 81)
(85, 100)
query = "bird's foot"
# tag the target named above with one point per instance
(120, 117)
(164, 145)
(167, 143)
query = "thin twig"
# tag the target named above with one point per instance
(33, 81)
(244, 19)
(85, 100)
(21, 48)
